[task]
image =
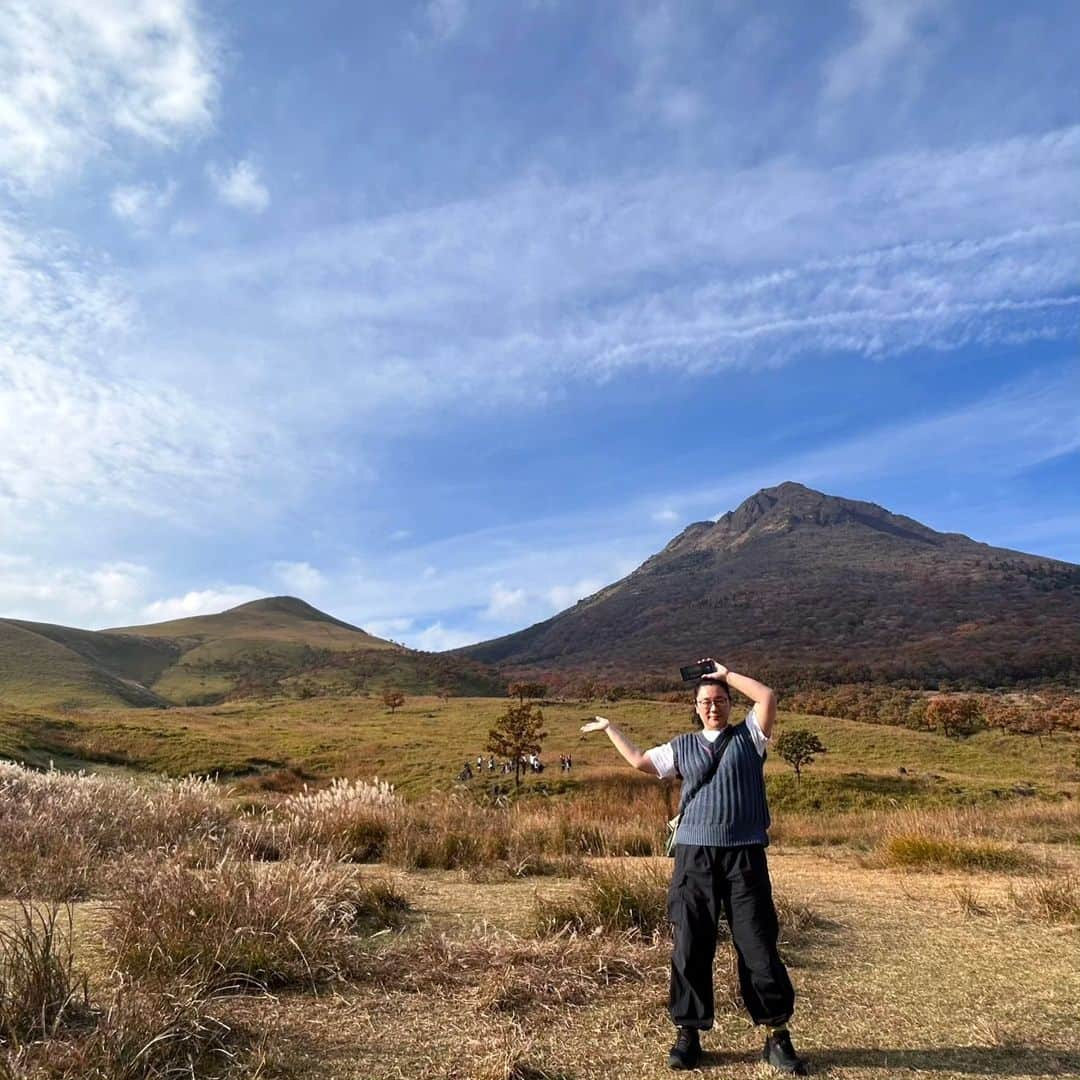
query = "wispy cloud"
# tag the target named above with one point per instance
(76, 431)
(518, 292)
(240, 186)
(141, 205)
(78, 76)
(655, 35)
(445, 18)
(887, 34)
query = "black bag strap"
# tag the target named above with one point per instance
(717, 756)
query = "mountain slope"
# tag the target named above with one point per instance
(55, 666)
(801, 584)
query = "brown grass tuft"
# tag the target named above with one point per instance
(244, 924)
(616, 899)
(1050, 899)
(40, 991)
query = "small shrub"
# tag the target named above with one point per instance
(241, 923)
(919, 850)
(1050, 899)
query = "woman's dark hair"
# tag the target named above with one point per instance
(712, 682)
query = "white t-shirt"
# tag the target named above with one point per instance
(663, 756)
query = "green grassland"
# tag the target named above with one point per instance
(424, 743)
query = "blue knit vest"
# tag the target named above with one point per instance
(730, 810)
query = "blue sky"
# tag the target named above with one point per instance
(442, 315)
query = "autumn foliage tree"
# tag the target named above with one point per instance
(798, 748)
(525, 691)
(393, 699)
(954, 716)
(517, 733)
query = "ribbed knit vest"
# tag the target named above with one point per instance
(730, 810)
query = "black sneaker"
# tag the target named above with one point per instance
(780, 1054)
(686, 1052)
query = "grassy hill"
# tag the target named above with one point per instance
(271, 647)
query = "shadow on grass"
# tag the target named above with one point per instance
(966, 1060)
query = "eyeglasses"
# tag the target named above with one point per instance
(713, 703)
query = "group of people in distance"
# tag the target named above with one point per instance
(529, 763)
(720, 865)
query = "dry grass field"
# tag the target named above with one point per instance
(895, 977)
(353, 935)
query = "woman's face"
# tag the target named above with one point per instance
(712, 707)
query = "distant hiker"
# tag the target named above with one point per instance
(491, 764)
(562, 763)
(466, 773)
(569, 761)
(720, 865)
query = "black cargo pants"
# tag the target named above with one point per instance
(733, 880)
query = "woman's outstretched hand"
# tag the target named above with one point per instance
(599, 723)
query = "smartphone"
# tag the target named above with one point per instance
(697, 671)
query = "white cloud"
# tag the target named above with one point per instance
(241, 187)
(665, 516)
(77, 75)
(30, 589)
(200, 602)
(401, 534)
(564, 596)
(301, 577)
(388, 628)
(141, 204)
(437, 638)
(505, 603)
(120, 586)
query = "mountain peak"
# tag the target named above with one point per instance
(788, 506)
(281, 605)
(292, 607)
